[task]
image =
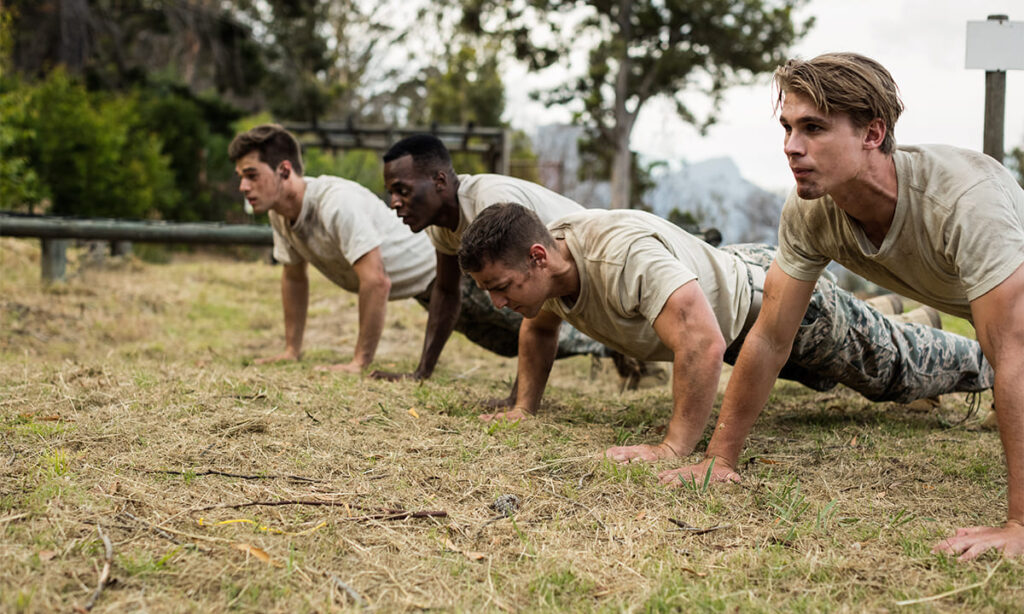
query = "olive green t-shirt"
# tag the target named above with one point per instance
(477, 192)
(629, 264)
(957, 232)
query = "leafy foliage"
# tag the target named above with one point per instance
(639, 49)
(92, 152)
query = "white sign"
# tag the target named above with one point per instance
(995, 45)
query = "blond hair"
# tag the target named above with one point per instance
(845, 83)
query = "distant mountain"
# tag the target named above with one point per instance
(712, 191)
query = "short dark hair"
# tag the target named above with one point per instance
(847, 83)
(502, 233)
(274, 144)
(428, 153)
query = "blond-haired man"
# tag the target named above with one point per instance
(942, 225)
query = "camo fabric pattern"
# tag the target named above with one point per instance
(497, 330)
(844, 340)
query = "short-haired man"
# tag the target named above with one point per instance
(337, 225)
(942, 225)
(428, 195)
(647, 288)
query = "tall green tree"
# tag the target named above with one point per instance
(639, 49)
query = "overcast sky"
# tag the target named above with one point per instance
(921, 42)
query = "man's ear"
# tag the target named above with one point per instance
(538, 255)
(874, 136)
(441, 181)
(284, 169)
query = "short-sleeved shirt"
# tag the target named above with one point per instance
(629, 264)
(340, 222)
(477, 192)
(957, 232)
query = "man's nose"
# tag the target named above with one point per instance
(793, 145)
(394, 201)
(244, 185)
(498, 299)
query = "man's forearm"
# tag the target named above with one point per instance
(749, 386)
(295, 300)
(695, 376)
(537, 351)
(441, 317)
(373, 304)
(1009, 401)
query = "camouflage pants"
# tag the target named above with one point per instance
(497, 330)
(844, 340)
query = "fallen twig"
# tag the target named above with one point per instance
(108, 559)
(294, 478)
(348, 589)
(383, 513)
(697, 530)
(991, 572)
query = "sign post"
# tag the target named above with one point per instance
(995, 45)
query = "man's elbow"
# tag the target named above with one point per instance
(715, 349)
(380, 284)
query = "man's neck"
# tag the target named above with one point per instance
(565, 277)
(449, 217)
(870, 198)
(290, 204)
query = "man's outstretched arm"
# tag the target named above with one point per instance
(445, 301)
(295, 300)
(687, 326)
(538, 344)
(999, 319)
(374, 288)
(764, 352)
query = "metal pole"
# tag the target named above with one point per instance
(995, 107)
(53, 259)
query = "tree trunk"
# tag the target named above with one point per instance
(622, 176)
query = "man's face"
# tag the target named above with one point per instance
(415, 196)
(521, 289)
(260, 185)
(825, 151)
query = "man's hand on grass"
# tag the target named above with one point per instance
(971, 542)
(514, 415)
(720, 472)
(345, 367)
(641, 453)
(284, 356)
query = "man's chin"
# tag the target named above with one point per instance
(809, 192)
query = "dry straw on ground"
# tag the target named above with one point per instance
(131, 410)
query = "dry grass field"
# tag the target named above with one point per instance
(137, 434)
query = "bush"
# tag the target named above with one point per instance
(92, 152)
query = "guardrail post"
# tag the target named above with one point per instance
(54, 259)
(120, 248)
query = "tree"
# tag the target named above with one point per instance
(1016, 163)
(639, 49)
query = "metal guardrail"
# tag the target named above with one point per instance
(55, 232)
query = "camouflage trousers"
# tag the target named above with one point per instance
(844, 340)
(497, 330)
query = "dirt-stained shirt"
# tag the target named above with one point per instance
(957, 232)
(477, 192)
(340, 222)
(629, 264)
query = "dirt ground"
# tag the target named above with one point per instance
(141, 443)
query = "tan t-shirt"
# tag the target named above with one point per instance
(477, 192)
(629, 263)
(339, 223)
(958, 230)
